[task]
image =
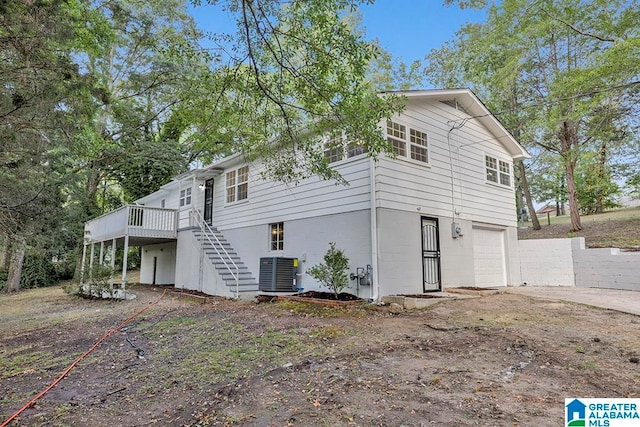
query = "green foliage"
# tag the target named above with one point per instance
(561, 75)
(296, 70)
(103, 102)
(596, 189)
(96, 281)
(633, 184)
(387, 73)
(37, 271)
(333, 272)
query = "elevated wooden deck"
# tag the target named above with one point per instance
(141, 224)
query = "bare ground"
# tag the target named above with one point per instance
(501, 360)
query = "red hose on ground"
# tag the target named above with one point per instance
(75, 362)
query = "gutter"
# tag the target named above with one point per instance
(374, 231)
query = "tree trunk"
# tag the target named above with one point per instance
(602, 164)
(568, 138)
(573, 196)
(4, 253)
(527, 195)
(15, 266)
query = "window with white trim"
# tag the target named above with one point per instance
(333, 149)
(336, 147)
(277, 236)
(417, 146)
(237, 184)
(185, 197)
(498, 171)
(397, 135)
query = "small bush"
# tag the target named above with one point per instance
(333, 272)
(96, 282)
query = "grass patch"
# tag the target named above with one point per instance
(616, 228)
(12, 364)
(316, 310)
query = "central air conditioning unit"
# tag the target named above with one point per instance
(278, 274)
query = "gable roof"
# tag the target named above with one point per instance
(470, 104)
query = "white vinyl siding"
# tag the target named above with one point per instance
(407, 185)
(272, 202)
(401, 184)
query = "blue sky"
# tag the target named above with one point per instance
(408, 29)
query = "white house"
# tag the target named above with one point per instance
(441, 214)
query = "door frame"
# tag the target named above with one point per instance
(207, 211)
(436, 253)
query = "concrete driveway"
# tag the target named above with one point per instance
(613, 299)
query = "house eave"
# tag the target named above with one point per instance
(477, 110)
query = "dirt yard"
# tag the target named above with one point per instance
(499, 360)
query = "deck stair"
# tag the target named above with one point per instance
(227, 263)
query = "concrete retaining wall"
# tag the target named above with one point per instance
(546, 262)
(605, 268)
(566, 262)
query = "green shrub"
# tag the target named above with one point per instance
(37, 271)
(333, 272)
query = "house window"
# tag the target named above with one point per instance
(498, 171)
(397, 135)
(505, 176)
(355, 148)
(333, 148)
(185, 197)
(277, 236)
(418, 146)
(337, 147)
(162, 203)
(237, 184)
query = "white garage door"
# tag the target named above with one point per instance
(489, 258)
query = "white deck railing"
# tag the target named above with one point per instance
(134, 221)
(210, 235)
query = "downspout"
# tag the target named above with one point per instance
(374, 231)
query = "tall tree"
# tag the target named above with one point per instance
(138, 57)
(293, 71)
(38, 80)
(387, 73)
(569, 60)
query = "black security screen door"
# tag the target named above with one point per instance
(208, 201)
(430, 255)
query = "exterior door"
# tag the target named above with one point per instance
(430, 255)
(208, 201)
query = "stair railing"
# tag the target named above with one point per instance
(208, 232)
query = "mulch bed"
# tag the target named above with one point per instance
(316, 297)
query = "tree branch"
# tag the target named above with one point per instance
(577, 30)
